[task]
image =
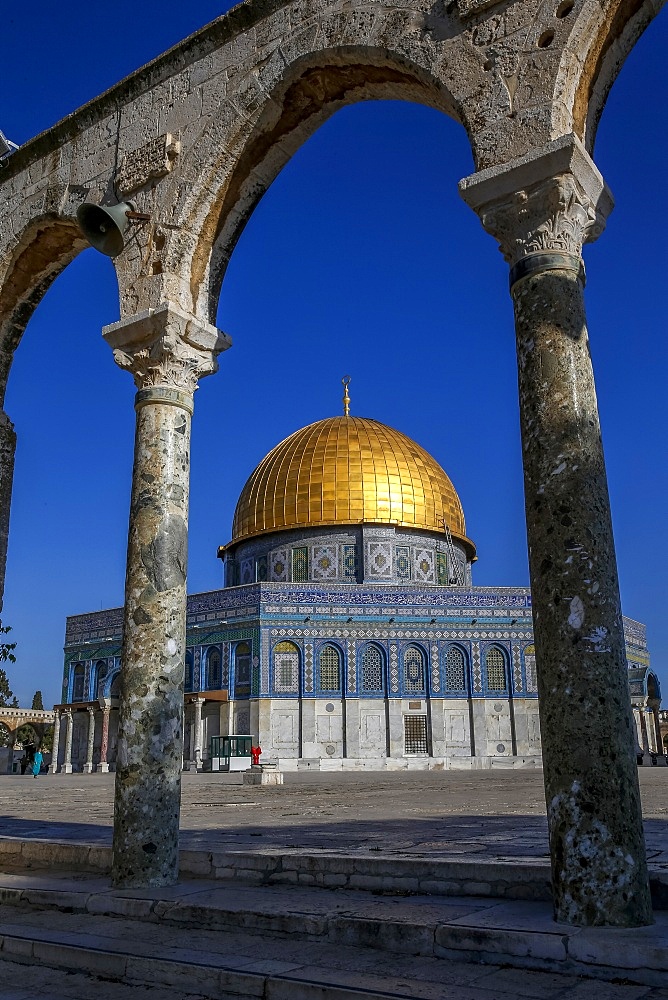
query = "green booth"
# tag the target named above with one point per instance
(230, 753)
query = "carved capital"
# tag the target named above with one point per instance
(165, 348)
(550, 201)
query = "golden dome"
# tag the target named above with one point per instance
(348, 470)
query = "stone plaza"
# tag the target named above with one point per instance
(331, 886)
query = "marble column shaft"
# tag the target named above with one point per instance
(199, 704)
(7, 453)
(56, 742)
(104, 739)
(541, 216)
(67, 761)
(657, 729)
(88, 766)
(167, 351)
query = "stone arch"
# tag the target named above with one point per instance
(6, 735)
(592, 58)
(246, 156)
(40, 253)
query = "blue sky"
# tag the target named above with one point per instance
(361, 260)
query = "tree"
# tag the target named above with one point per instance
(37, 703)
(7, 699)
(7, 648)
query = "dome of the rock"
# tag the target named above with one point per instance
(348, 471)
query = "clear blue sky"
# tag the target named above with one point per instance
(360, 260)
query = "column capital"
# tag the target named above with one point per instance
(166, 349)
(545, 204)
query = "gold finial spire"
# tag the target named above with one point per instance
(345, 381)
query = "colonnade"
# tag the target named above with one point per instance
(66, 767)
(541, 208)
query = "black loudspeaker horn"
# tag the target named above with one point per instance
(104, 228)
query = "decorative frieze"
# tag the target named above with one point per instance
(150, 162)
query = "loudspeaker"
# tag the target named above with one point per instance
(104, 227)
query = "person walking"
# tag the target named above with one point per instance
(36, 763)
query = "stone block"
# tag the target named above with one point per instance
(133, 909)
(17, 947)
(63, 956)
(455, 939)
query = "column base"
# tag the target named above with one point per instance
(103, 768)
(87, 769)
(54, 769)
(65, 768)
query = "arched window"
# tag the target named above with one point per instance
(189, 672)
(101, 676)
(78, 683)
(115, 689)
(286, 668)
(213, 669)
(495, 663)
(242, 663)
(530, 669)
(414, 669)
(330, 669)
(455, 669)
(372, 669)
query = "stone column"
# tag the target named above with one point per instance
(542, 208)
(88, 766)
(643, 730)
(67, 760)
(199, 704)
(167, 351)
(104, 741)
(56, 741)
(657, 729)
(7, 452)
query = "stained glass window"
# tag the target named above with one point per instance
(455, 669)
(300, 564)
(330, 669)
(242, 658)
(213, 669)
(286, 668)
(442, 569)
(101, 668)
(78, 684)
(496, 669)
(413, 669)
(372, 669)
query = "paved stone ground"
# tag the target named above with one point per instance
(495, 814)
(498, 814)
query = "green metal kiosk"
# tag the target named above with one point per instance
(230, 753)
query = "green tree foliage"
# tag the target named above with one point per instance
(37, 703)
(7, 699)
(7, 648)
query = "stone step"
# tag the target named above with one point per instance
(196, 971)
(519, 934)
(514, 878)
